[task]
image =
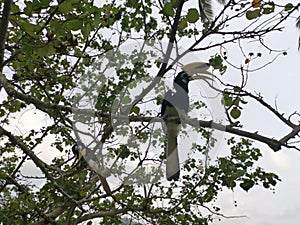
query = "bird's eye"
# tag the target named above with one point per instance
(184, 75)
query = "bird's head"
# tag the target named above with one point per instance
(182, 78)
(197, 68)
(187, 74)
(181, 81)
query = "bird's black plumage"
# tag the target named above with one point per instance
(77, 150)
(180, 98)
(174, 106)
(89, 159)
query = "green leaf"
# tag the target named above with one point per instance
(74, 24)
(288, 7)
(216, 62)
(250, 15)
(29, 27)
(131, 3)
(47, 50)
(231, 184)
(28, 9)
(268, 10)
(266, 185)
(15, 8)
(124, 152)
(168, 9)
(58, 28)
(249, 163)
(44, 3)
(135, 110)
(82, 193)
(175, 3)
(192, 16)
(86, 30)
(65, 7)
(227, 100)
(236, 101)
(235, 113)
(183, 24)
(247, 185)
(126, 100)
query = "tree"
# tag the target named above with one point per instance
(94, 71)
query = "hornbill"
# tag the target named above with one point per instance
(175, 106)
(84, 157)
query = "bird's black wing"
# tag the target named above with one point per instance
(166, 102)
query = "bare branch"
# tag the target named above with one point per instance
(290, 135)
(163, 68)
(265, 104)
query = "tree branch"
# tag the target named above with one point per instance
(3, 29)
(37, 161)
(271, 142)
(269, 107)
(163, 69)
(101, 214)
(46, 218)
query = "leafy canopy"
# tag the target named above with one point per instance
(73, 62)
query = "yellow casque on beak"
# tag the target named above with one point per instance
(197, 68)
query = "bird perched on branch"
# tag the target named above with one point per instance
(85, 157)
(77, 151)
(175, 107)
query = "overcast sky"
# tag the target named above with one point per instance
(278, 83)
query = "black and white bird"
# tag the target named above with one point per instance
(175, 106)
(85, 157)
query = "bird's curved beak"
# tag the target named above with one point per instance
(197, 68)
(200, 77)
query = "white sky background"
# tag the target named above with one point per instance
(278, 83)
